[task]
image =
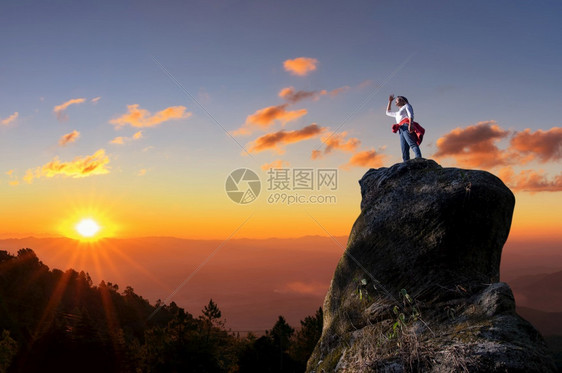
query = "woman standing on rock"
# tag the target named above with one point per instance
(410, 132)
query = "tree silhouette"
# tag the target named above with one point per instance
(60, 321)
(8, 349)
(307, 337)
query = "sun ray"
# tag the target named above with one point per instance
(54, 300)
(140, 268)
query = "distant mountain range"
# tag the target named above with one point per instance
(255, 280)
(541, 291)
(548, 323)
(525, 257)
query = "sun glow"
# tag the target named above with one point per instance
(87, 228)
(88, 222)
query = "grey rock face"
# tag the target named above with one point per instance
(417, 288)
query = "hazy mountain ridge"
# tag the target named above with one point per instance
(253, 280)
(548, 323)
(307, 262)
(541, 291)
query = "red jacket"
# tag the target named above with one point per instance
(419, 131)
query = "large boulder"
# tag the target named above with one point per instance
(417, 288)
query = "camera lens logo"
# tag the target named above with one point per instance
(243, 186)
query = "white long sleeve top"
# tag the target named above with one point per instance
(405, 111)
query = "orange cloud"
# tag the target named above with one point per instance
(265, 117)
(338, 142)
(275, 164)
(300, 66)
(95, 164)
(544, 145)
(293, 96)
(69, 137)
(10, 119)
(276, 139)
(119, 140)
(474, 146)
(59, 110)
(530, 181)
(137, 117)
(366, 158)
(95, 99)
(337, 91)
(13, 180)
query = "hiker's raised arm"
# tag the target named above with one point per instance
(390, 99)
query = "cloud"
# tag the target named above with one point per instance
(120, 140)
(264, 118)
(275, 164)
(336, 142)
(69, 137)
(95, 100)
(364, 84)
(544, 145)
(274, 140)
(293, 96)
(300, 66)
(474, 146)
(337, 91)
(59, 110)
(366, 158)
(530, 181)
(13, 179)
(10, 119)
(137, 117)
(142, 172)
(89, 165)
(29, 176)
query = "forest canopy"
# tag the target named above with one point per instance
(52, 320)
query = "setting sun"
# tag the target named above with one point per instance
(87, 228)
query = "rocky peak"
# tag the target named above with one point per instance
(417, 287)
